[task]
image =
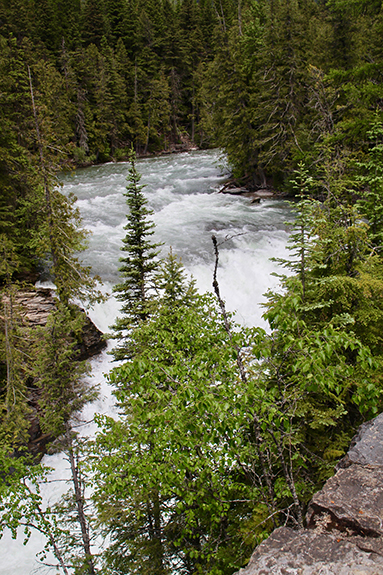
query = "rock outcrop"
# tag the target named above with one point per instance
(344, 534)
(34, 307)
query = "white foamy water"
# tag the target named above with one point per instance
(182, 191)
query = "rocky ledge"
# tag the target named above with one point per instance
(344, 534)
(34, 306)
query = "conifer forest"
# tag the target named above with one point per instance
(223, 432)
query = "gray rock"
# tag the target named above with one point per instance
(344, 534)
(92, 340)
(35, 306)
(354, 500)
(367, 445)
(311, 552)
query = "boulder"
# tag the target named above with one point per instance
(92, 340)
(255, 195)
(353, 502)
(311, 552)
(367, 446)
(344, 534)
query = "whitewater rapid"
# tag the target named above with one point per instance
(182, 191)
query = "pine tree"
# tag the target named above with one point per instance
(59, 235)
(158, 112)
(370, 179)
(172, 283)
(94, 22)
(139, 262)
(14, 354)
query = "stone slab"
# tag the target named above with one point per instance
(311, 552)
(354, 499)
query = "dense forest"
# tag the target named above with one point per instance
(224, 432)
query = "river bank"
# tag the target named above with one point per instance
(123, 155)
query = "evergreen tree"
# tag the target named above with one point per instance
(226, 117)
(59, 376)
(17, 158)
(278, 103)
(14, 344)
(158, 111)
(60, 234)
(139, 262)
(172, 283)
(370, 178)
(118, 15)
(95, 23)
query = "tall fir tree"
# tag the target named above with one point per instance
(139, 262)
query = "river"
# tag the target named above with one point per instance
(182, 191)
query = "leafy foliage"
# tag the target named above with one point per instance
(225, 432)
(21, 503)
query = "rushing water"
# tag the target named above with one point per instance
(182, 191)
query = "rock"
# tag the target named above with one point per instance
(38, 441)
(34, 307)
(92, 340)
(263, 193)
(254, 195)
(367, 445)
(234, 191)
(344, 534)
(353, 499)
(310, 552)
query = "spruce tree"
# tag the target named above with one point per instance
(370, 180)
(94, 22)
(138, 264)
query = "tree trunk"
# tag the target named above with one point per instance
(79, 497)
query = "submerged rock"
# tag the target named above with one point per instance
(344, 534)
